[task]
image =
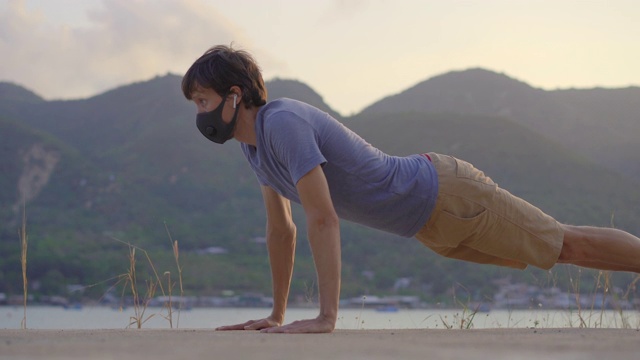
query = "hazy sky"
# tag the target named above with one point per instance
(352, 52)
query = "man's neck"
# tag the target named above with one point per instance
(246, 128)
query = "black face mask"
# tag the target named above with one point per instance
(213, 127)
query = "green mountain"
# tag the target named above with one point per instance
(14, 98)
(68, 201)
(137, 149)
(606, 123)
(129, 165)
(13, 93)
(602, 124)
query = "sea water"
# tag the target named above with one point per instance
(41, 317)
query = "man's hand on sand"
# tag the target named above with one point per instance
(317, 325)
(252, 325)
(268, 325)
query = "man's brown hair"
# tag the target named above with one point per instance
(222, 67)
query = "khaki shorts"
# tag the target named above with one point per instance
(477, 221)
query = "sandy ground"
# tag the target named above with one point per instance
(343, 344)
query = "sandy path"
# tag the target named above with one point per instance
(344, 344)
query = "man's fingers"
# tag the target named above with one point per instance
(251, 325)
(262, 324)
(269, 326)
(242, 326)
(231, 327)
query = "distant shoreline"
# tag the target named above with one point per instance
(89, 318)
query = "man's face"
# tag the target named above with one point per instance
(216, 118)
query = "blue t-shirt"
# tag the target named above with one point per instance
(389, 193)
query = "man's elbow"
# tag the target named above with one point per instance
(324, 221)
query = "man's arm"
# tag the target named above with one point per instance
(281, 243)
(323, 228)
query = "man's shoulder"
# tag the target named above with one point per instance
(287, 105)
(283, 101)
(283, 110)
(279, 112)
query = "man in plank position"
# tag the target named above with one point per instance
(302, 154)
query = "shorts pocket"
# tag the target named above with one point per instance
(454, 230)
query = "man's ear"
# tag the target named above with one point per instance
(236, 93)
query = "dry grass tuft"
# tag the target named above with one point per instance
(23, 259)
(176, 256)
(152, 285)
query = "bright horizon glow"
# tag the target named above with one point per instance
(352, 52)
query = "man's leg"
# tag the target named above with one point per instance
(600, 248)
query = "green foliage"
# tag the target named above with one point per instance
(131, 161)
